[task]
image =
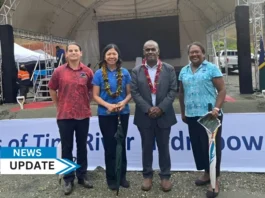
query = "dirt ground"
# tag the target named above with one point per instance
(233, 185)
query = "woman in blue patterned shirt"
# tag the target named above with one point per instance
(201, 83)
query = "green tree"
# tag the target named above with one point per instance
(231, 44)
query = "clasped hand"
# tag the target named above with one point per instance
(155, 112)
(116, 107)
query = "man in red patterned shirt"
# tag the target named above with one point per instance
(70, 89)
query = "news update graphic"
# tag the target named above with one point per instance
(33, 161)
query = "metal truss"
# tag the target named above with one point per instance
(51, 19)
(29, 35)
(159, 13)
(7, 10)
(256, 18)
(227, 20)
(136, 15)
(214, 6)
(211, 52)
(84, 15)
(243, 2)
(257, 25)
(223, 23)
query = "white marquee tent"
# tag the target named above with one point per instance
(77, 19)
(24, 55)
(48, 56)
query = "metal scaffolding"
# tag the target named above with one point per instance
(43, 76)
(7, 10)
(257, 25)
(134, 15)
(211, 51)
(256, 18)
(6, 13)
(84, 14)
(223, 23)
(35, 36)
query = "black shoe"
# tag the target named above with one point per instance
(68, 188)
(85, 183)
(124, 183)
(112, 185)
(211, 194)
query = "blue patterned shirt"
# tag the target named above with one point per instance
(199, 89)
(98, 81)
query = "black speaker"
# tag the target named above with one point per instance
(9, 68)
(243, 48)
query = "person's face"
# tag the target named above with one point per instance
(151, 51)
(111, 56)
(195, 54)
(73, 53)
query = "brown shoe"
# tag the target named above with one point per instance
(166, 185)
(147, 184)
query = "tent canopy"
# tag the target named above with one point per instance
(48, 56)
(24, 55)
(77, 19)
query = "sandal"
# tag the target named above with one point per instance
(212, 194)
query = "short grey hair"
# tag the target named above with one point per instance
(153, 42)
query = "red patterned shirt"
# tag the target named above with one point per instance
(74, 90)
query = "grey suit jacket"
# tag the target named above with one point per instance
(165, 96)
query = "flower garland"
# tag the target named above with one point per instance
(107, 85)
(153, 88)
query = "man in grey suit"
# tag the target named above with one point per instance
(154, 89)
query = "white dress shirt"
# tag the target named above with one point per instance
(152, 74)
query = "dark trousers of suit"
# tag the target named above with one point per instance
(161, 135)
(200, 145)
(67, 128)
(108, 126)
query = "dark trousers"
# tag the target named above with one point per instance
(108, 126)
(67, 129)
(23, 89)
(200, 145)
(148, 135)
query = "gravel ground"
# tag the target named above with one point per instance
(233, 185)
(237, 185)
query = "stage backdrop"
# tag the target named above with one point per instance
(130, 36)
(243, 142)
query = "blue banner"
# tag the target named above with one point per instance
(28, 152)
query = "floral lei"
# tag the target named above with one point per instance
(107, 85)
(159, 68)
